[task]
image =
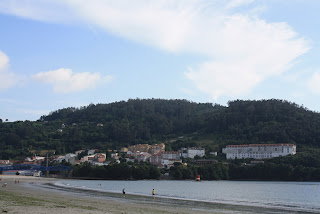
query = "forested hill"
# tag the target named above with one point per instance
(177, 122)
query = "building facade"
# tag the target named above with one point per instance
(259, 151)
(157, 148)
(139, 147)
(191, 152)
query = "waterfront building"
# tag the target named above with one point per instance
(156, 159)
(165, 159)
(191, 152)
(171, 155)
(259, 151)
(142, 156)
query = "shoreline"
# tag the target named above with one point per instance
(40, 195)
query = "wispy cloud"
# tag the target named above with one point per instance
(240, 49)
(314, 83)
(64, 80)
(7, 78)
(237, 3)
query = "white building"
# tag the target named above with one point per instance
(93, 151)
(171, 155)
(191, 152)
(142, 156)
(259, 151)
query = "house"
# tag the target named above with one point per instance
(5, 162)
(213, 153)
(139, 147)
(165, 159)
(100, 158)
(99, 124)
(171, 155)
(143, 156)
(191, 152)
(87, 158)
(156, 159)
(79, 152)
(124, 149)
(93, 151)
(196, 151)
(115, 156)
(71, 158)
(157, 148)
(259, 151)
(170, 162)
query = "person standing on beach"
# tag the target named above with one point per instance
(153, 192)
(124, 191)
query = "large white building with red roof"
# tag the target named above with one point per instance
(259, 151)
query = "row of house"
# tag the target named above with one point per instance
(157, 155)
(259, 151)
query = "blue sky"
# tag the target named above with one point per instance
(70, 53)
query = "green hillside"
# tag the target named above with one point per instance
(175, 122)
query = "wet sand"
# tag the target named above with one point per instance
(39, 195)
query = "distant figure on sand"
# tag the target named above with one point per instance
(124, 191)
(153, 192)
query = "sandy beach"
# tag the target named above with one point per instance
(25, 197)
(39, 195)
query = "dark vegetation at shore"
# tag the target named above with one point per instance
(178, 123)
(301, 167)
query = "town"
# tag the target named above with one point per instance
(155, 154)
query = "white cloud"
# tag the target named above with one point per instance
(314, 83)
(7, 78)
(49, 10)
(65, 81)
(237, 3)
(241, 50)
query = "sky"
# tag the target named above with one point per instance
(56, 54)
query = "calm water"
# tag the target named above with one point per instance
(295, 196)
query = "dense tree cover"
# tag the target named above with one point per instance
(301, 167)
(217, 171)
(155, 120)
(122, 171)
(270, 121)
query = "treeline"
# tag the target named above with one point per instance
(301, 167)
(122, 171)
(156, 120)
(270, 121)
(217, 171)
